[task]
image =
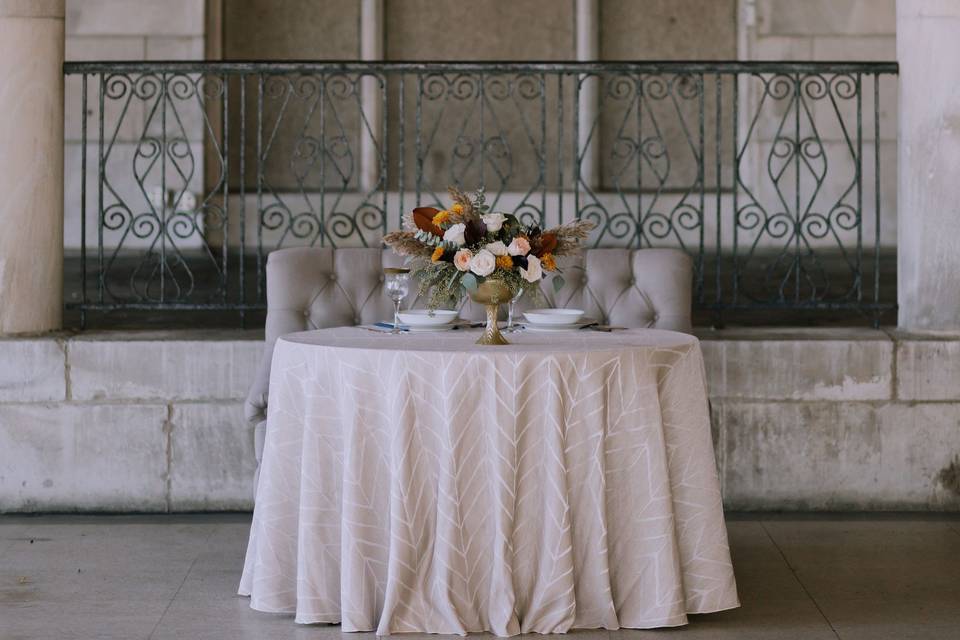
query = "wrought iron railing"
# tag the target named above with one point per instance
(774, 177)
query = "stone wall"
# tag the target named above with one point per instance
(803, 419)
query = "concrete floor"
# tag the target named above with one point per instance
(871, 577)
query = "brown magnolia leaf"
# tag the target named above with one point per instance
(546, 243)
(423, 218)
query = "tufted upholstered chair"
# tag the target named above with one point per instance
(316, 288)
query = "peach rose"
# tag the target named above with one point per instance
(519, 247)
(461, 259)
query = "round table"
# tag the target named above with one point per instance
(424, 483)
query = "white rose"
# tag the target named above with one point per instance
(483, 263)
(455, 234)
(497, 248)
(534, 271)
(493, 221)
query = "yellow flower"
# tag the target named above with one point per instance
(505, 262)
(441, 217)
(457, 208)
(548, 262)
(437, 254)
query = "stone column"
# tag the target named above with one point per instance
(371, 49)
(588, 50)
(31, 165)
(928, 190)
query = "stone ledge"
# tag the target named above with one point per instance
(34, 369)
(928, 370)
(151, 369)
(799, 364)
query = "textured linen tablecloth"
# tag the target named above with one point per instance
(425, 483)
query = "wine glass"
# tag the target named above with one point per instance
(511, 326)
(397, 286)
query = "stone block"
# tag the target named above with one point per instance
(798, 456)
(174, 48)
(838, 456)
(32, 369)
(928, 370)
(169, 369)
(212, 460)
(293, 29)
(129, 17)
(663, 30)
(782, 48)
(857, 48)
(82, 457)
(920, 467)
(798, 369)
(103, 48)
(826, 17)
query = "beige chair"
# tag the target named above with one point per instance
(311, 288)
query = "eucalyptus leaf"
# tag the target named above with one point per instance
(469, 281)
(558, 283)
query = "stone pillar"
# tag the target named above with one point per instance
(588, 50)
(31, 165)
(371, 49)
(928, 193)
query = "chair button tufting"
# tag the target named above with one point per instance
(306, 313)
(333, 276)
(356, 320)
(633, 282)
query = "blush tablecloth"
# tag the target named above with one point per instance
(424, 483)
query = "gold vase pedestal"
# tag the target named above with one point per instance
(491, 294)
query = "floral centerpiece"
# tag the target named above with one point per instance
(469, 248)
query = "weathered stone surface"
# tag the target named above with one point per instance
(783, 48)
(31, 370)
(799, 369)
(162, 369)
(853, 17)
(667, 30)
(82, 457)
(920, 457)
(857, 48)
(212, 460)
(175, 48)
(800, 455)
(128, 17)
(928, 370)
(840, 456)
(292, 29)
(928, 288)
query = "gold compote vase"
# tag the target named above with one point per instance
(491, 294)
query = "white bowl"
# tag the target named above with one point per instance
(427, 318)
(553, 316)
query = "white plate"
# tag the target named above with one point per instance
(434, 327)
(554, 328)
(565, 317)
(424, 318)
